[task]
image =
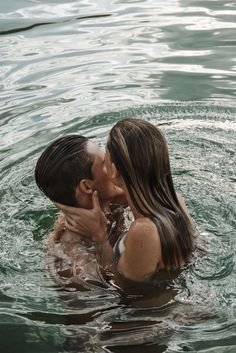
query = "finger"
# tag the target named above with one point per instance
(66, 223)
(95, 200)
(71, 228)
(69, 222)
(70, 225)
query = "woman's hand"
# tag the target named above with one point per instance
(90, 223)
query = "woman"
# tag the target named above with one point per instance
(161, 237)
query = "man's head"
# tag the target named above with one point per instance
(70, 169)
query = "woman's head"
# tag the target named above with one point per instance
(139, 152)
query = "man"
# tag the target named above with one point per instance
(68, 172)
(70, 169)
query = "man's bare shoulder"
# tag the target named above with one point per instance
(55, 234)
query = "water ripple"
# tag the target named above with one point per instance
(78, 67)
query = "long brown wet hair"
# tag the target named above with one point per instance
(140, 153)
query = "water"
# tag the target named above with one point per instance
(79, 66)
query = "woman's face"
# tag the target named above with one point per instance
(112, 172)
(108, 164)
(102, 182)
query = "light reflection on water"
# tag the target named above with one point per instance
(84, 66)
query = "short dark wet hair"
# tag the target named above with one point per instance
(61, 166)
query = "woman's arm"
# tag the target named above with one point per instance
(91, 223)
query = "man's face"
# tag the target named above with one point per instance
(102, 183)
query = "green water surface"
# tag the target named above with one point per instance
(78, 67)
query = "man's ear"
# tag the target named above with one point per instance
(84, 187)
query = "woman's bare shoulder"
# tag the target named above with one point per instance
(141, 226)
(142, 251)
(143, 233)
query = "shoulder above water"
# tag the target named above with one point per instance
(142, 253)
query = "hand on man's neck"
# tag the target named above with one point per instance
(70, 236)
(78, 232)
(86, 202)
